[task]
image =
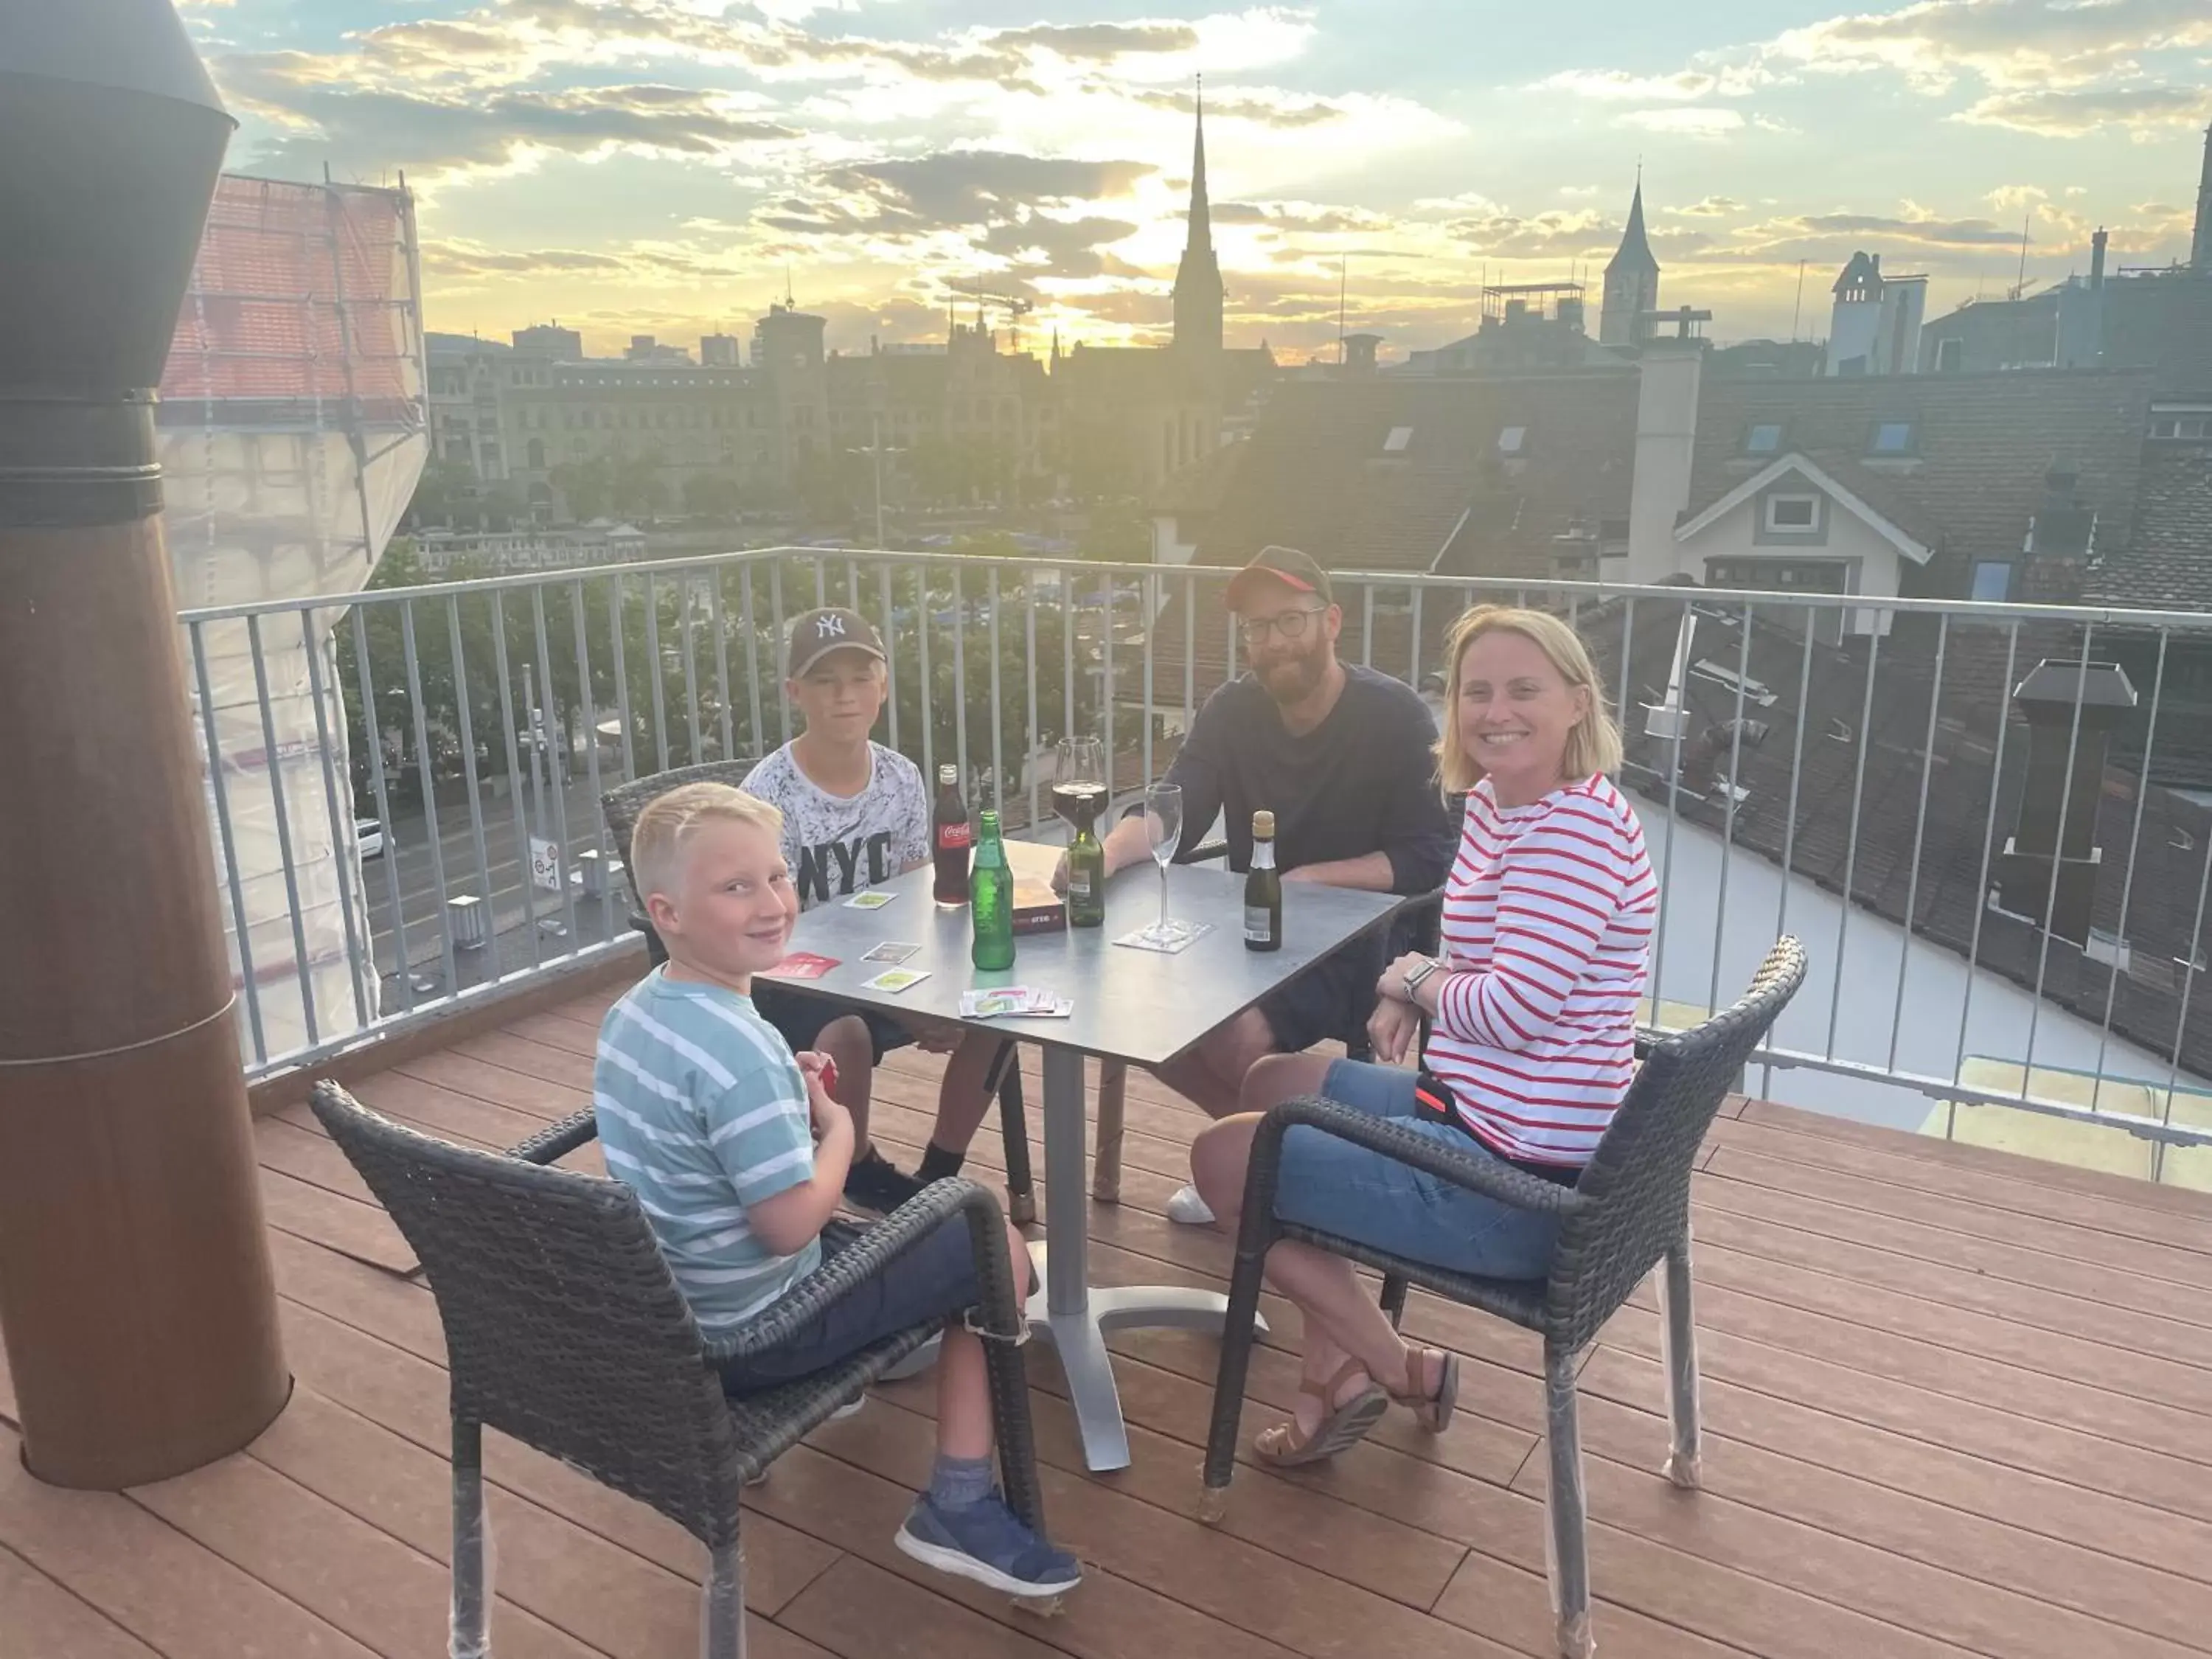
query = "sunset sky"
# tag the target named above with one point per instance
(656, 166)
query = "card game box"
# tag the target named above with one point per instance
(1038, 909)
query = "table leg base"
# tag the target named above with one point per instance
(1078, 1336)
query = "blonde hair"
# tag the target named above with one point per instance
(669, 821)
(1594, 744)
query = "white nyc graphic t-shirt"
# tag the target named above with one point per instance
(841, 845)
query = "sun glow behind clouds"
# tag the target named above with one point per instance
(657, 164)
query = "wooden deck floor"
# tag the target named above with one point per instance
(1956, 1402)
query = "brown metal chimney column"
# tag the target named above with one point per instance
(136, 1298)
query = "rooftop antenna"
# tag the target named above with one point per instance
(1798, 310)
(789, 302)
(2020, 287)
(1343, 276)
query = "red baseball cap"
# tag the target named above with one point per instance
(1293, 569)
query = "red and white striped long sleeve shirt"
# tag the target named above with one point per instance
(1546, 935)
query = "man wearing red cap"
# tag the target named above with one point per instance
(1345, 759)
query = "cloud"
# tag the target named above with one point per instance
(1709, 207)
(1311, 216)
(2021, 43)
(1932, 232)
(2053, 113)
(1511, 236)
(1696, 121)
(1061, 247)
(1262, 109)
(1623, 87)
(365, 132)
(981, 186)
(1098, 42)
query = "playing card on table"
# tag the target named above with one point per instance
(802, 964)
(896, 980)
(892, 952)
(873, 899)
(1015, 1002)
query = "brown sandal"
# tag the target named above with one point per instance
(1433, 1411)
(1285, 1445)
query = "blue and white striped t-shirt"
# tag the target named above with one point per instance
(702, 1112)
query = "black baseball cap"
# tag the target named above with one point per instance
(817, 633)
(1286, 565)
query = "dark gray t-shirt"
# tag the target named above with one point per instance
(1364, 780)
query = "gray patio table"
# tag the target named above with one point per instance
(1143, 1007)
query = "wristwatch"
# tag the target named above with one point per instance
(1415, 976)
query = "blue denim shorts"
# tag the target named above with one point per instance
(1335, 1186)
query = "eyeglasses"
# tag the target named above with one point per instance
(1291, 625)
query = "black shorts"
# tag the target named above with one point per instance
(931, 1282)
(799, 1019)
(1332, 1000)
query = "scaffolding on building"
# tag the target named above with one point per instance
(294, 425)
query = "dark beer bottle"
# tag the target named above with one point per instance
(1086, 873)
(992, 906)
(1263, 889)
(953, 838)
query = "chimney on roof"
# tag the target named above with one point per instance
(1359, 353)
(1668, 377)
(2097, 245)
(2047, 869)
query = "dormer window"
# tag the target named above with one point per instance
(1764, 438)
(1513, 441)
(1793, 514)
(1893, 438)
(1400, 438)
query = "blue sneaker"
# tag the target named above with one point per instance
(987, 1542)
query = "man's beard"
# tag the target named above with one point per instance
(1291, 680)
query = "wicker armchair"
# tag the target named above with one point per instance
(621, 806)
(564, 1329)
(1629, 1213)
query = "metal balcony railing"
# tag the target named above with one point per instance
(1947, 801)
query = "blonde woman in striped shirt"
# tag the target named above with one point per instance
(1530, 1015)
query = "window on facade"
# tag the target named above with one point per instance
(1893, 438)
(1512, 440)
(1950, 355)
(1793, 512)
(1399, 438)
(1992, 581)
(1763, 439)
(2181, 426)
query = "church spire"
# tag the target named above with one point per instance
(1200, 233)
(2199, 250)
(1198, 288)
(1631, 279)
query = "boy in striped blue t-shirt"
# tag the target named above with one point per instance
(738, 1154)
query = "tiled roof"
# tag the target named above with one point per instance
(1982, 444)
(2166, 562)
(1317, 475)
(1878, 750)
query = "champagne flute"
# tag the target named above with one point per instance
(1164, 830)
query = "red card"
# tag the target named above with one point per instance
(802, 964)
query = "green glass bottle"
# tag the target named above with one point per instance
(990, 900)
(1086, 873)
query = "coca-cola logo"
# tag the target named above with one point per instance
(949, 835)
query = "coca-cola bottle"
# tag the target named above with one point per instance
(954, 838)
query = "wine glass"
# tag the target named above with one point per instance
(1078, 780)
(1164, 830)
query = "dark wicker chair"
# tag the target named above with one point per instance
(1629, 1211)
(564, 1329)
(621, 806)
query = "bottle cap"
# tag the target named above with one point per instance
(1263, 825)
(948, 774)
